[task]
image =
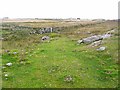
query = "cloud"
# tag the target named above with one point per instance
(107, 9)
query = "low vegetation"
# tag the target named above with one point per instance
(59, 62)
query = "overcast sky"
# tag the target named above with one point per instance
(86, 9)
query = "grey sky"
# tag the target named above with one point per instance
(87, 9)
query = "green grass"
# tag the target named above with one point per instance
(52, 62)
(47, 64)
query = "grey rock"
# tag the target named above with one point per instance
(101, 49)
(92, 39)
(68, 79)
(45, 30)
(80, 41)
(45, 38)
(106, 36)
(9, 64)
(96, 43)
(96, 37)
(111, 31)
(6, 75)
(14, 53)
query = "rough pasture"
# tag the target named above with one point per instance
(30, 62)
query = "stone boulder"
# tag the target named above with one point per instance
(45, 38)
(9, 64)
(46, 30)
(90, 39)
(106, 36)
(101, 49)
(96, 43)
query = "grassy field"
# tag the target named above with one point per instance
(60, 63)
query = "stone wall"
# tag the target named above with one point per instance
(31, 30)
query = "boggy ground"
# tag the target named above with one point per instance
(61, 62)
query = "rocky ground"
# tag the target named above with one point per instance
(70, 56)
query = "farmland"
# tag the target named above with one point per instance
(59, 62)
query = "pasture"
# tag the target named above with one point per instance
(59, 62)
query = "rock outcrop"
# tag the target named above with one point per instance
(95, 38)
(90, 39)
